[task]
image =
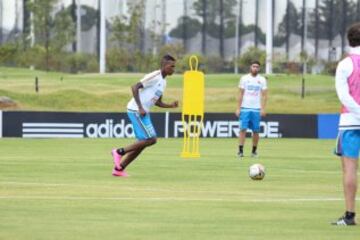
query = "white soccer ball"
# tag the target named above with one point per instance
(257, 171)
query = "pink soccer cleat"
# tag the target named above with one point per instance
(117, 158)
(120, 173)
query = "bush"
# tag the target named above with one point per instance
(182, 64)
(215, 64)
(125, 60)
(211, 64)
(32, 57)
(175, 50)
(58, 61)
(93, 65)
(8, 53)
(79, 62)
(287, 67)
(330, 68)
(145, 62)
(118, 60)
(121, 60)
(250, 55)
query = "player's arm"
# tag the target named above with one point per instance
(161, 104)
(264, 94)
(240, 99)
(343, 71)
(135, 91)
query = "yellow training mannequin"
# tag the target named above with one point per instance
(192, 109)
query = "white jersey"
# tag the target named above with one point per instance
(349, 119)
(154, 86)
(253, 86)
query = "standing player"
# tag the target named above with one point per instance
(146, 93)
(251, 106)
(348, 142)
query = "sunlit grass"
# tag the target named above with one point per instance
(111, 92)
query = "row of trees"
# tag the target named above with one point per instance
(46, 36)
(54, 33)
(325, 21)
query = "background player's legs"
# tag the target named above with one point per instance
(244, 125)
(133, 150)
(138, 145)
(242, 136)
(255, 126)
(129, 157)
(349, 166)
(348, 146)
(255, 141)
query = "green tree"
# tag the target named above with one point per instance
(130, 30)
(26, 24)
(291, 22)
(216, 17)
(88, 18)
(42, 21)
(331, 14)
(214, 11)
(52, 32)
(120, 30)
(250, 55)
(332, 17)
(193, 26)
(128, 34)
(63, 31)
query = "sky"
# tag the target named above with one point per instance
(174, 10)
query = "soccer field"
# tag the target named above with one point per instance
(63, 189)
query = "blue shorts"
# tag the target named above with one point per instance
(142, 125)
(348, 143)
(250, 119)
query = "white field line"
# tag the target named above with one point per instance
(120, 187)
(166, 199)
(234, 195)
(117, 188)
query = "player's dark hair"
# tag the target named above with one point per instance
(255, 62)
(353, 35)
(168, 57)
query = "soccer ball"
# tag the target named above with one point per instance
(257, 171)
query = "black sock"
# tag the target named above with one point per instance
(121, 151)
(241, 148)
(254, 149)
(349, 215)
(122, 166)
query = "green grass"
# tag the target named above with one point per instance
(111, 92)
(62, 189)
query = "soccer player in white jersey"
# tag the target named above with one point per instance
(251, 106)
(347, 84)
(146, 93)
